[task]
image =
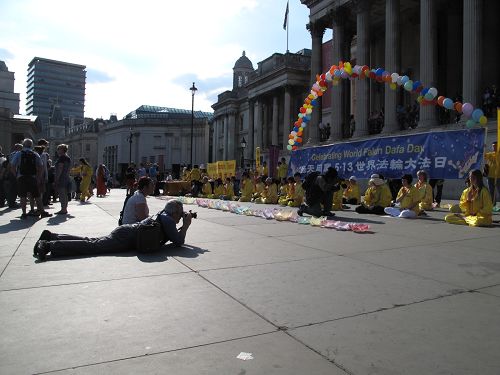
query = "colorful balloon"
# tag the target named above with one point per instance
(393, 86)
(467, 109)
(408, 85)
(289, 147)
(448, 103)
(476, 114)
(483, 120)
(470, 123)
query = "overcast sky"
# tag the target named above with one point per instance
(150, 51)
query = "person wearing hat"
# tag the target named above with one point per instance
(351, 193)
(375, 200)
(319, 191)
(407, 200)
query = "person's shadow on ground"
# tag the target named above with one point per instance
(58, 219)
(15, 225)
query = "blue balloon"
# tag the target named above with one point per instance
(314, 102)
(448, 103)
(416, 85)
(476, 114)
(405, 79)
(379, 71)
(424, 91)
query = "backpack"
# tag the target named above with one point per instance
(27, 166)
(310, 179)
(150, 235)
(120, 220)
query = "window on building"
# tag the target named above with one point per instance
(246, 80)
(152, 159)
(240, 81)
(157, 141)
(87, 147)
(241, 122)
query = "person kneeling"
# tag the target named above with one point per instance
(121, 239)
(475, 203)
(407, 200)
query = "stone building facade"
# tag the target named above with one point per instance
(451, 45)
(260, 107)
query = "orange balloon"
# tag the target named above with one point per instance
(299, 133)
(299, 140)
(441, 100)
(458, 107)
(299, 121)
(290, 136)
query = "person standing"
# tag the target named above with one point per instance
(86, 174)
(9, 181)
(62, 182)
(3, 159)
(26, 165)
(438, 184)
(492, 171)
(45, 160)
(101, 181)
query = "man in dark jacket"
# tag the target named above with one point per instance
(319, 193)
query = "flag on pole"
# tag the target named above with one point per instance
(285, 22)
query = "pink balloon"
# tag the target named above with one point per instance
(467, 109)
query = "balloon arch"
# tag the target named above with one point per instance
(344, 70)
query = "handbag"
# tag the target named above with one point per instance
(150, 236)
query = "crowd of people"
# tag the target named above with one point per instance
(30, 173)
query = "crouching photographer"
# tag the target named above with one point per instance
(147, 236)
(319, 191)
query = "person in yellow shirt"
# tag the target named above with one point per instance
(206, 190)
(475, 204)
(374, 199)
(86, 173)
(286, 191)
(264, 170)
(492, 171)
(186, 174)
(351, 193)
(282, 169)
(424, 191)
(246, 189)
(218, 189)
(298, 192)
(406, 201)
(270, 193)
(337, 197)
(228, 190)
(258, 188)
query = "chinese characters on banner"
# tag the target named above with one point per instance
(446, 154)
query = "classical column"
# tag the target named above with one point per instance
(258, 140)
(338, 24)
(472, 52)
(214, 141)
(231, 135)
(250, 142)
(286, 116)
(362, 58)
(391, 63)
(226, 139)
(265, 126)
(428, 58)
(274, 132)
(317, 30)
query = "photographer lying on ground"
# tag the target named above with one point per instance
(319, 193)
(121, 239)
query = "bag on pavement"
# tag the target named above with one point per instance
(150, 236)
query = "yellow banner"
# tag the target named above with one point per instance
(257, 158)
(212, 169)
(221, 169)
(230, 168)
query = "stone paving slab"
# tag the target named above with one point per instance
(455, 335)
(310, 291)
(261, 250)
(46, 329)
(494, 290)
(464, 267)
(273, 354)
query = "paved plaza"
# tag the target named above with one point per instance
(411, 297)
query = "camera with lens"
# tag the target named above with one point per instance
(194, 215)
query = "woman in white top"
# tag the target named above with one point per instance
(136, 209)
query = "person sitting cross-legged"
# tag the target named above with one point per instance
(424, 191)
(375, 197)
(351, 193)
(270, 193)
(406, 201)
(246, 189)
(475, 203)
(121, 239)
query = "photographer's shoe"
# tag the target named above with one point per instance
(42, 249)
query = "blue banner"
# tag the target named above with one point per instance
(446, 154)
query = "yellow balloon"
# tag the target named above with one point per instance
(483, 120)
(393, 86)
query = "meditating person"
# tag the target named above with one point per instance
(337, 199)
(121, 239)
(375, 197)
(351, 193)
(286, 191)
(298, 191)
(475, 203)
(206, 190)
(228, 190)
(270, 193)
(258, 188)
(424, 192)
(246, 189)
(406, 203)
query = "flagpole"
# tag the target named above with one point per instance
(287, 18)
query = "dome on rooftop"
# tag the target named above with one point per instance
(243, 62)
(3, 67)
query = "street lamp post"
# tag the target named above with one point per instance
(243, 145)
(193, 90)
(130, 147)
